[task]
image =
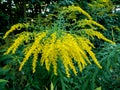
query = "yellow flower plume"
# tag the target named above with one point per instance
(58, 45)
(24, 36)
(32, 48)
(16, 27)
(76, 8)
(68, 48)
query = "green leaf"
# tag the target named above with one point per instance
(98, 88)
(3, 81)
(85, 85)
(46, 88)
(51, 86)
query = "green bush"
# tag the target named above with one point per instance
(62, 49)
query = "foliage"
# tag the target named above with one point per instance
(93, 78)
(67, 28)
(110, 60)
(54, 44)
(102, 11)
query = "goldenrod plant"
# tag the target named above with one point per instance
(55, 43)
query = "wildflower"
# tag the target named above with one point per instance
(77, 8)
(66, 48)
(58, 45)
(35, 60)
(93, 33)
(39, 37)
(84, 22)
(24, 36)
(17, 42)
(35, 56)
(49, 54)
(14, 27)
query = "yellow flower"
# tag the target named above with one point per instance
(76, 8)
(39, 37)
(92, 24)
(58, 45)
(14, 46)
(67, 60)
(104, 1)
(16, 27)
(86, 45)
(68, 49)
(76, 52)
(49, 54)
(24, 36)
(35, 57)
(93, 33)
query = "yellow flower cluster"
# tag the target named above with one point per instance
(90, 23)
(101, 6)
(68, 48)
(34, 49)
(104, 1)
(76, 8)
(93, 33)
(24, 36)
(16, 27)
(58, 45)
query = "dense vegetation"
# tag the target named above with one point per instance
(59, 45)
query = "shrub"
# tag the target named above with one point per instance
(59, 48)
